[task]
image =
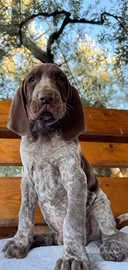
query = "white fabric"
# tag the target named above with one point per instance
(44, 258)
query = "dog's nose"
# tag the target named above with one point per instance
(46, 97)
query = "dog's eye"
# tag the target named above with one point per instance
(60, 78)
(31, 79)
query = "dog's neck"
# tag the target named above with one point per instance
(39, 129)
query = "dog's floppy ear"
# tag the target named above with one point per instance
(73, 123)
(18, 119)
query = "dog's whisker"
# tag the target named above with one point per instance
(71, 107)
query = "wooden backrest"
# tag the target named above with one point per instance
(105, 144)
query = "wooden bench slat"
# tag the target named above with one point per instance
(4, 113)
(115, 188)
(106, 154)
(109, 121)
(102, 124)
(10, 152)
(105, 144)
(10, 200)
(98, 154)
(8, 232)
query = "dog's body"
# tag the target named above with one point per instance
(58, 176)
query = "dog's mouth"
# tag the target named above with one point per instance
(45, 121)
(46, 115)
(47, 118)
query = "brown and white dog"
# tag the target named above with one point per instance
(48, 114)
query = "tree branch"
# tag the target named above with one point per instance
(118, 18)
(36, 50)
(44, 14)
(54, 36)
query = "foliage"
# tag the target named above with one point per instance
(94, 69)
(10, 171)
(16, 65)
(23, 38)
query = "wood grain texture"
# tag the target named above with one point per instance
(109, 121)
(104, 124)
(105, 144)
(97, 119)
(8, 232)
(10, 200)
(10, 152)
(98, 154)
(4, 113)
(115, 188)
(106, 154)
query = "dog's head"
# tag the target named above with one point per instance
(44, 99)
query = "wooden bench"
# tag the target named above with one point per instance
(105, 144)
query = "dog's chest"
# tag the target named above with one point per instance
(40, 155)
(41, 161)
(43, 153)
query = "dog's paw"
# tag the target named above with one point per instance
(113, 250)
(14, 249)
(69, 261)
(72, 264)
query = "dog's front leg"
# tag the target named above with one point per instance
(74, 254)
(19, 246)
